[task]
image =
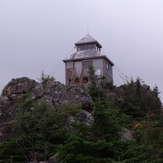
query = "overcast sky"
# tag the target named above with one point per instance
(36, 35)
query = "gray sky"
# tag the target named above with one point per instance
(36, 35)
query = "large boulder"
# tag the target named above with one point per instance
(53, 92)
(57, 92)
(18, 86)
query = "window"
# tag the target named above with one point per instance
(85, 47)
(91, 46)
(69, 64)
(87, 63)
(97, 72)
(107, 66)
(81, 47)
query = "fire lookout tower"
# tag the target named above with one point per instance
(88, 53)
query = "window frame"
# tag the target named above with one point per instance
(86, 66)
(107, 66)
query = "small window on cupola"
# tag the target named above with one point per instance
(81, 47)
(91, 46)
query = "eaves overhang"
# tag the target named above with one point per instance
(92, 42)
(88, 58)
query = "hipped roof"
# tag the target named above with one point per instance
(87, 40)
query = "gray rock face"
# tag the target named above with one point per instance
(6, 117)
(53, 92)
(53, 159)
(18, 86)
(59, 93)
(126, 134)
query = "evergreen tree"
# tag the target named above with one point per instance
(38, 131)
(95, 87)
(99, 142)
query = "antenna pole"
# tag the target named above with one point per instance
(87, 30)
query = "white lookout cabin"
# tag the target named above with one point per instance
(88, 53)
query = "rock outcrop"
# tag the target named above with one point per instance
(53, 92)
(53, 159)
(18, 86)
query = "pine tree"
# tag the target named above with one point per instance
(99, 142)
(38, 130)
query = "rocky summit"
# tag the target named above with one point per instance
(53, 92)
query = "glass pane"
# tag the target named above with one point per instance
(69, 64)
(107, 66)
(91, 46)
(97, 72)
(81, 47)
(87, 63)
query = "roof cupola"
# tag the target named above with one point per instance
(88, 42)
